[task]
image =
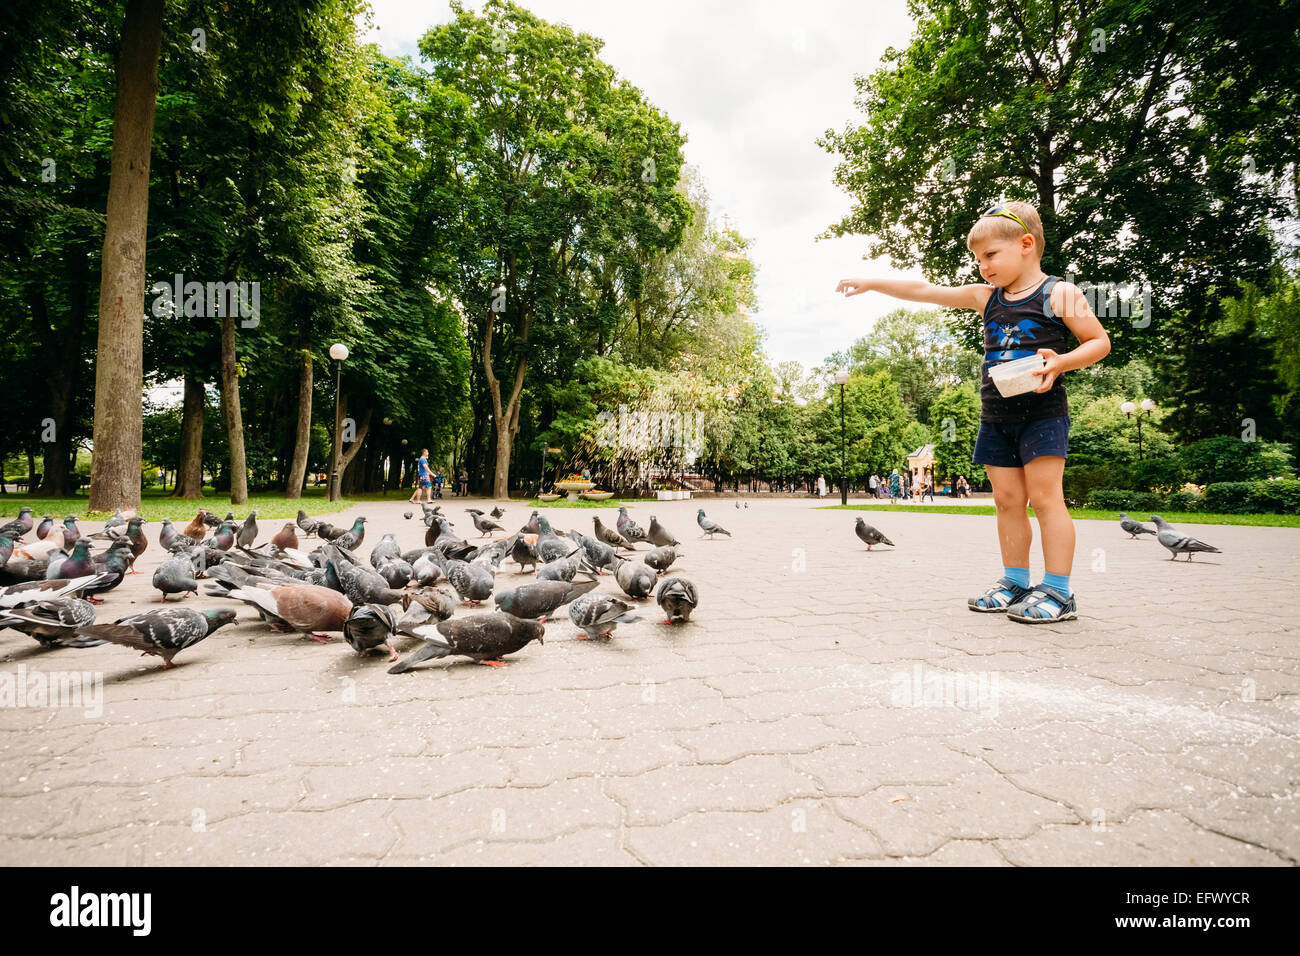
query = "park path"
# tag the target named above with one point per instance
(827, 705)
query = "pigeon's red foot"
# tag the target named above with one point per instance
(661, 623)
(494, 663)
(321, 638)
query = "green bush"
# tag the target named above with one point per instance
(1228, 459)
(1113, 499)
(1183, 501)
(1167, 471)
(1277, 497)
(1231, 498)
(1082, 479)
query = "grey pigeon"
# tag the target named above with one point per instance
(247, 531)
(523, 550)
(636, 580)
(472, 582)
(485, 638)
(385, 550)
(308, 525)
(550, 546)
(397, 573)
(629, 528)
(1177, 542)
(563, 569)
(610, 536)
(599, 555)
(599, 614)
(539, 599)
(19, 526)
(352, 538)
(53, 622)
(43, 529)
(115, 522)
(498, 512)
(164, 632)
(370, 626)
(870, 535)
(660, 536)
(709, 526)
(1134, 528)
(678, 599)
(406, 515)
(176, 576)
(425, 571)
(483, 524)
(661, 559)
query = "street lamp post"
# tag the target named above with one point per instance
(841, 379)
(339, 353)
(1147, 407)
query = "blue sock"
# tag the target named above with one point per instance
(1059, 581)
(1018, 576)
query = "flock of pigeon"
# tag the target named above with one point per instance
(52, 584)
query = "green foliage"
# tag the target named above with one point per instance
(1281, 496)
(955, 424)
(1080, 482)
(1110, 499)
(1232, 497)
(1225, 458)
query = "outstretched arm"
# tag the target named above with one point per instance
(916, 290)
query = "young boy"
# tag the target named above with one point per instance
(1022, 440)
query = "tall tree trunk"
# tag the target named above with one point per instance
(505, 416)
(189, 471)
(230, 411)
(302, 440)
(119, 365)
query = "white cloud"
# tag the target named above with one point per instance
(753, 85)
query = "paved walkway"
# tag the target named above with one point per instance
(828, 705)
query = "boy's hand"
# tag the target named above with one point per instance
(1054, 367)
(853, 286)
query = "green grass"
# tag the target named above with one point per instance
(156, 505)
(1092, 514)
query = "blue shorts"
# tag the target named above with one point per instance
(425, 483)
(1012, 444)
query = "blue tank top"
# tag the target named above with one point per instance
(1017, 329)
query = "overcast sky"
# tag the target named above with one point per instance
(753, 84)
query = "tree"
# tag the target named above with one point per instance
(955, 424)
(119, 369)
(1128, 123)
(549, 171)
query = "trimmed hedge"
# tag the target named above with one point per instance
(1281, 496)
(1111, 499)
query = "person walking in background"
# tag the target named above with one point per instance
(423, 478)
(438, 480)
(874, 484)
(464, 483)
(821, 486)
(895, 486)
(928, 489)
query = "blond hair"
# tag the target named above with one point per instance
(1001, 227)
